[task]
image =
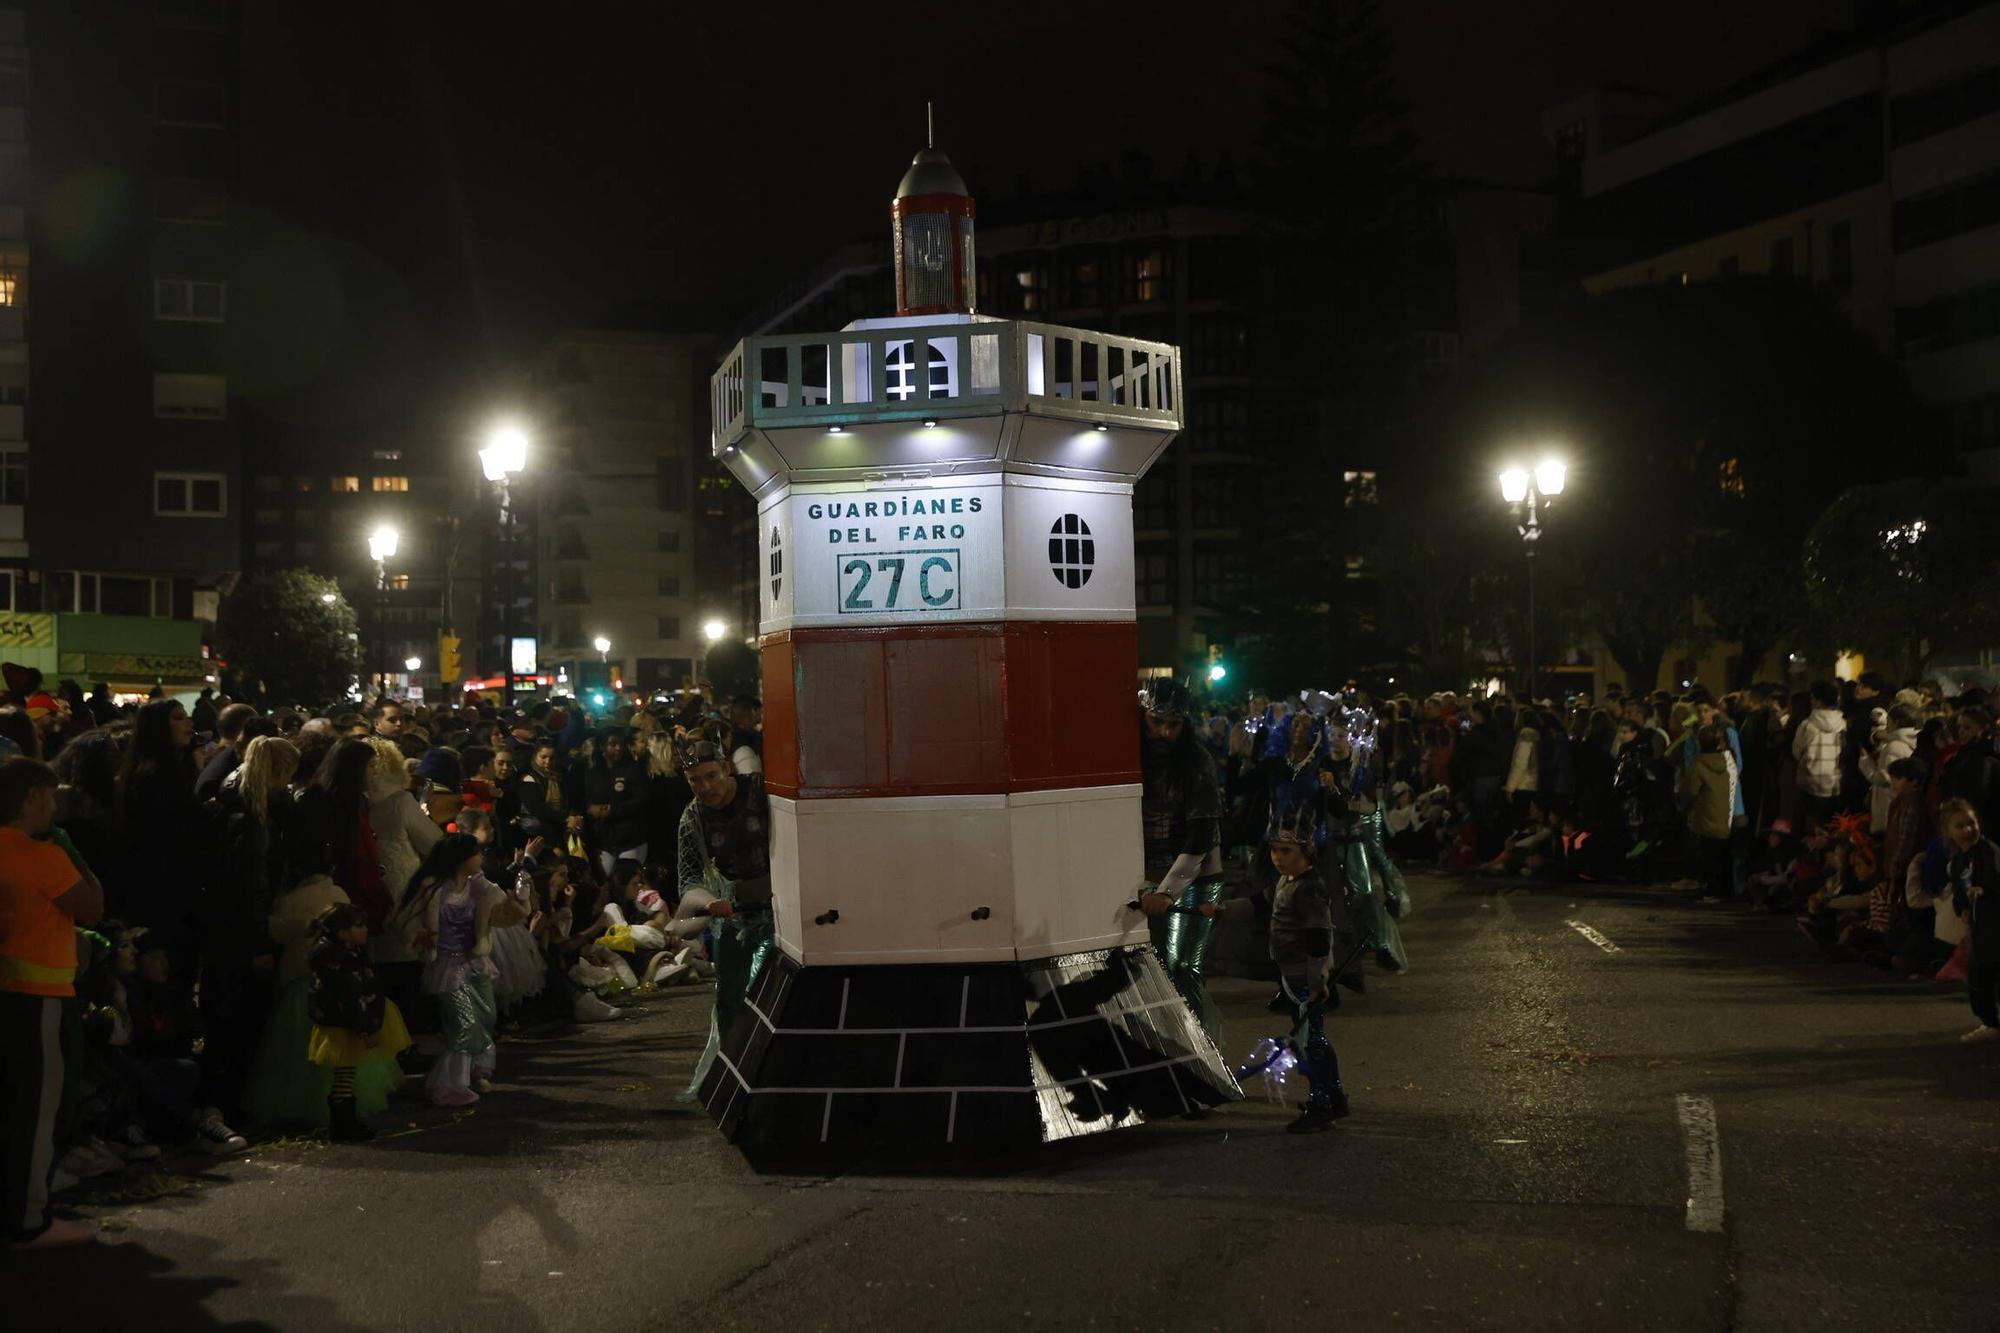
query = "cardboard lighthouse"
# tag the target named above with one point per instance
(951, 747)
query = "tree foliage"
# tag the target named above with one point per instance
(1706, 427)
(1902, 569)
(1337, 181)
(284, 642)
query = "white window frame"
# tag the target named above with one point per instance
(189, 407)
(159, 597)
(189, 479)
(186, 288)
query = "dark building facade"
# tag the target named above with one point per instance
(133, 441)
(1194, 263)
(318, 511)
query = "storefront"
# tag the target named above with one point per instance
(134, 655)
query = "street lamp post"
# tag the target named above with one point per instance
(603, 647)
(506, 454)
(1527, 493)
(382, 545)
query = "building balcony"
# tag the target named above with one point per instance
(570, 596)
(920, 393)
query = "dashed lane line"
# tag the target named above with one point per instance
(1591, 934)
(1704, 1161)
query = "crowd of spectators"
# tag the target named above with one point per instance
(236, 923)
(1857, 808)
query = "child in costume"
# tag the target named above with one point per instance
(1973, 873)
(1308, 919)
(517, 960)
(455, 904)
(354, 1023)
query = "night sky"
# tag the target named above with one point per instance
(493, 174)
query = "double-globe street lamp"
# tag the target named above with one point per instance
(504, 457)
(382, 545)
(1527, 492)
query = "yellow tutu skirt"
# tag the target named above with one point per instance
(339, 1047)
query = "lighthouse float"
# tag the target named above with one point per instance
(950, 654)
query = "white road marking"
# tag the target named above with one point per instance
(1704, 1159)
(1591, 934)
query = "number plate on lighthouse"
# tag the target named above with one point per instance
(878, 582)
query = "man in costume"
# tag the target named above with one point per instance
(1181, 811)
(724, 865)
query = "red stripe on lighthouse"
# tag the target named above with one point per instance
(936, 710)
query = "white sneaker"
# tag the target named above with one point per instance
(590, 1009)
(1984, 1032)
(61, 1179)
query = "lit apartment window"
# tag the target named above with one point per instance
(399, 582)
(191, 103)
(1361, 489)
(188, 495)
(191, 397)
(388, 455)
(343, 485)
(1146, 275)
(389, 483)
(1029, 290)
(14, 477)
(10, 287)
(197, 299)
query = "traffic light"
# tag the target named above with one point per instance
(1218, 670)
(448, 665)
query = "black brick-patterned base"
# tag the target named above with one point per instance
(995, 1053)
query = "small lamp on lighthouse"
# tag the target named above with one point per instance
(933, 222)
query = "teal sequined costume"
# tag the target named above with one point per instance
(1380, 895)
(1181, 815)
(1181, 941)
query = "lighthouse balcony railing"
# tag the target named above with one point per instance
(944, 370)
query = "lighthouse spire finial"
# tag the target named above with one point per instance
(930, 128)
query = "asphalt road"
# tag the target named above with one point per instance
(1531, 1147)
